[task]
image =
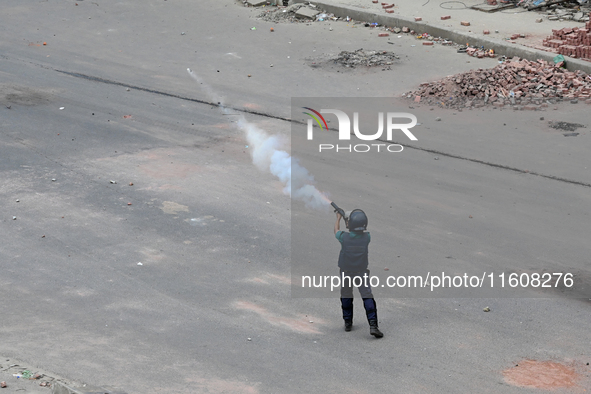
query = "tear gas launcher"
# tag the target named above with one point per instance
(340, 210)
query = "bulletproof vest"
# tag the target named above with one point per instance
(354, 252)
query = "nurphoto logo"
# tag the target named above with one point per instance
(345, 130)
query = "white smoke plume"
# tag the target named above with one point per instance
(268, 155)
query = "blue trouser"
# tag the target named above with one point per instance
(364, 290)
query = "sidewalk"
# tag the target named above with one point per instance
(501, 25)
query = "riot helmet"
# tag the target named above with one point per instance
(357, 220)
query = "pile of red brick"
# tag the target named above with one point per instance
(573, 42)
(516, 83)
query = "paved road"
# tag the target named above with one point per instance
(213, 232)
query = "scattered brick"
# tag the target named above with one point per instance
(390, 11)
(418, 19)
(383, 35)
(388, 6)
(445, 17)
(486, 32)
(464, 23)
(427, 42)
(516, 82)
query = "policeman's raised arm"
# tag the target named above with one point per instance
(337, 225)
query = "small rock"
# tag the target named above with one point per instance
(250, 339)
(183, 33)
(3, 384)
(575, 101)
(487, 309)
(130, 183)
(61, 108)
(18, 200)
(14, 218)
(139, 264)
(437, 119)
(113, 182)
(539, 20)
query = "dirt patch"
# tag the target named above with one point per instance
(566, 126)
(22, 95)
(547, 375)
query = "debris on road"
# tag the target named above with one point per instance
(487, 309)
(566, 126)
(296, 13)
(577, 13)
(3, 384)
(113, 182)
(516, 82)
(366, 58)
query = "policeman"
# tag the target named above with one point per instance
(353, 262)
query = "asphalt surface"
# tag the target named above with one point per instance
(140, 167)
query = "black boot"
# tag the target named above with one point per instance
(348, 325)
(374, 330)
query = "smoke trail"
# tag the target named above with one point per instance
(268, 155)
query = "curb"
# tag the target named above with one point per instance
(499, 46)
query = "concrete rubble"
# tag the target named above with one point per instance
(549, 4)
(296, 13)
(516, 83)
(366, 58)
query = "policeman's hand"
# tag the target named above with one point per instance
(339, 216)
